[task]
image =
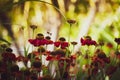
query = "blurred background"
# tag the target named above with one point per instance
(99, 19)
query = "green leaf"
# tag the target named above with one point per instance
(26, 51)
(3, 40)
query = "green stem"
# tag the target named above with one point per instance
(69, 33)
(65, 63)
(103, 75)
(33, 31)
(64, 68)
(73, 48)
(58, 71)
(32, 47)
(117, 47)
(41, 56)
(101, 47)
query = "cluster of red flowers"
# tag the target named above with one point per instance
(62, 44)
(56, 55)
(87, 41)
(8, 57)
(40, 40)
(99, 61)
(9, 70)
(59, 55)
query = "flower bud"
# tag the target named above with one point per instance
(48, 37)
(33, 27)
(40, 36)
(70, 21)
(117, 40)
(62, 39)
(74, 43)
(9, 50)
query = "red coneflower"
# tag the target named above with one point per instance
(87, 41)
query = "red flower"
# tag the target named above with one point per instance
(58, 57)
(49, 58)
(35, 42)
(109, 45)
(101, 59)
(73, 57)
(57, 44)
(47, 53)
(38, 42)
(93, 42)
(64, 45)
(36, 53)
(22, 58)
(87, 42)
(106, 60)
(8, 57)
(49, 42)
(82, 41)
(96, 60)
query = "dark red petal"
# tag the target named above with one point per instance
(57, 44)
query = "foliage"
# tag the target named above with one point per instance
(89, 63)
(97, 18)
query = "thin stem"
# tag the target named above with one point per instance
(73, 48)
(117, 47)
(102, 74)
(32, 37)
(69, 33)
(101, 47)
(33, 33)
(64, 68)
(32, 47)
(40, 55)
(58, 70)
